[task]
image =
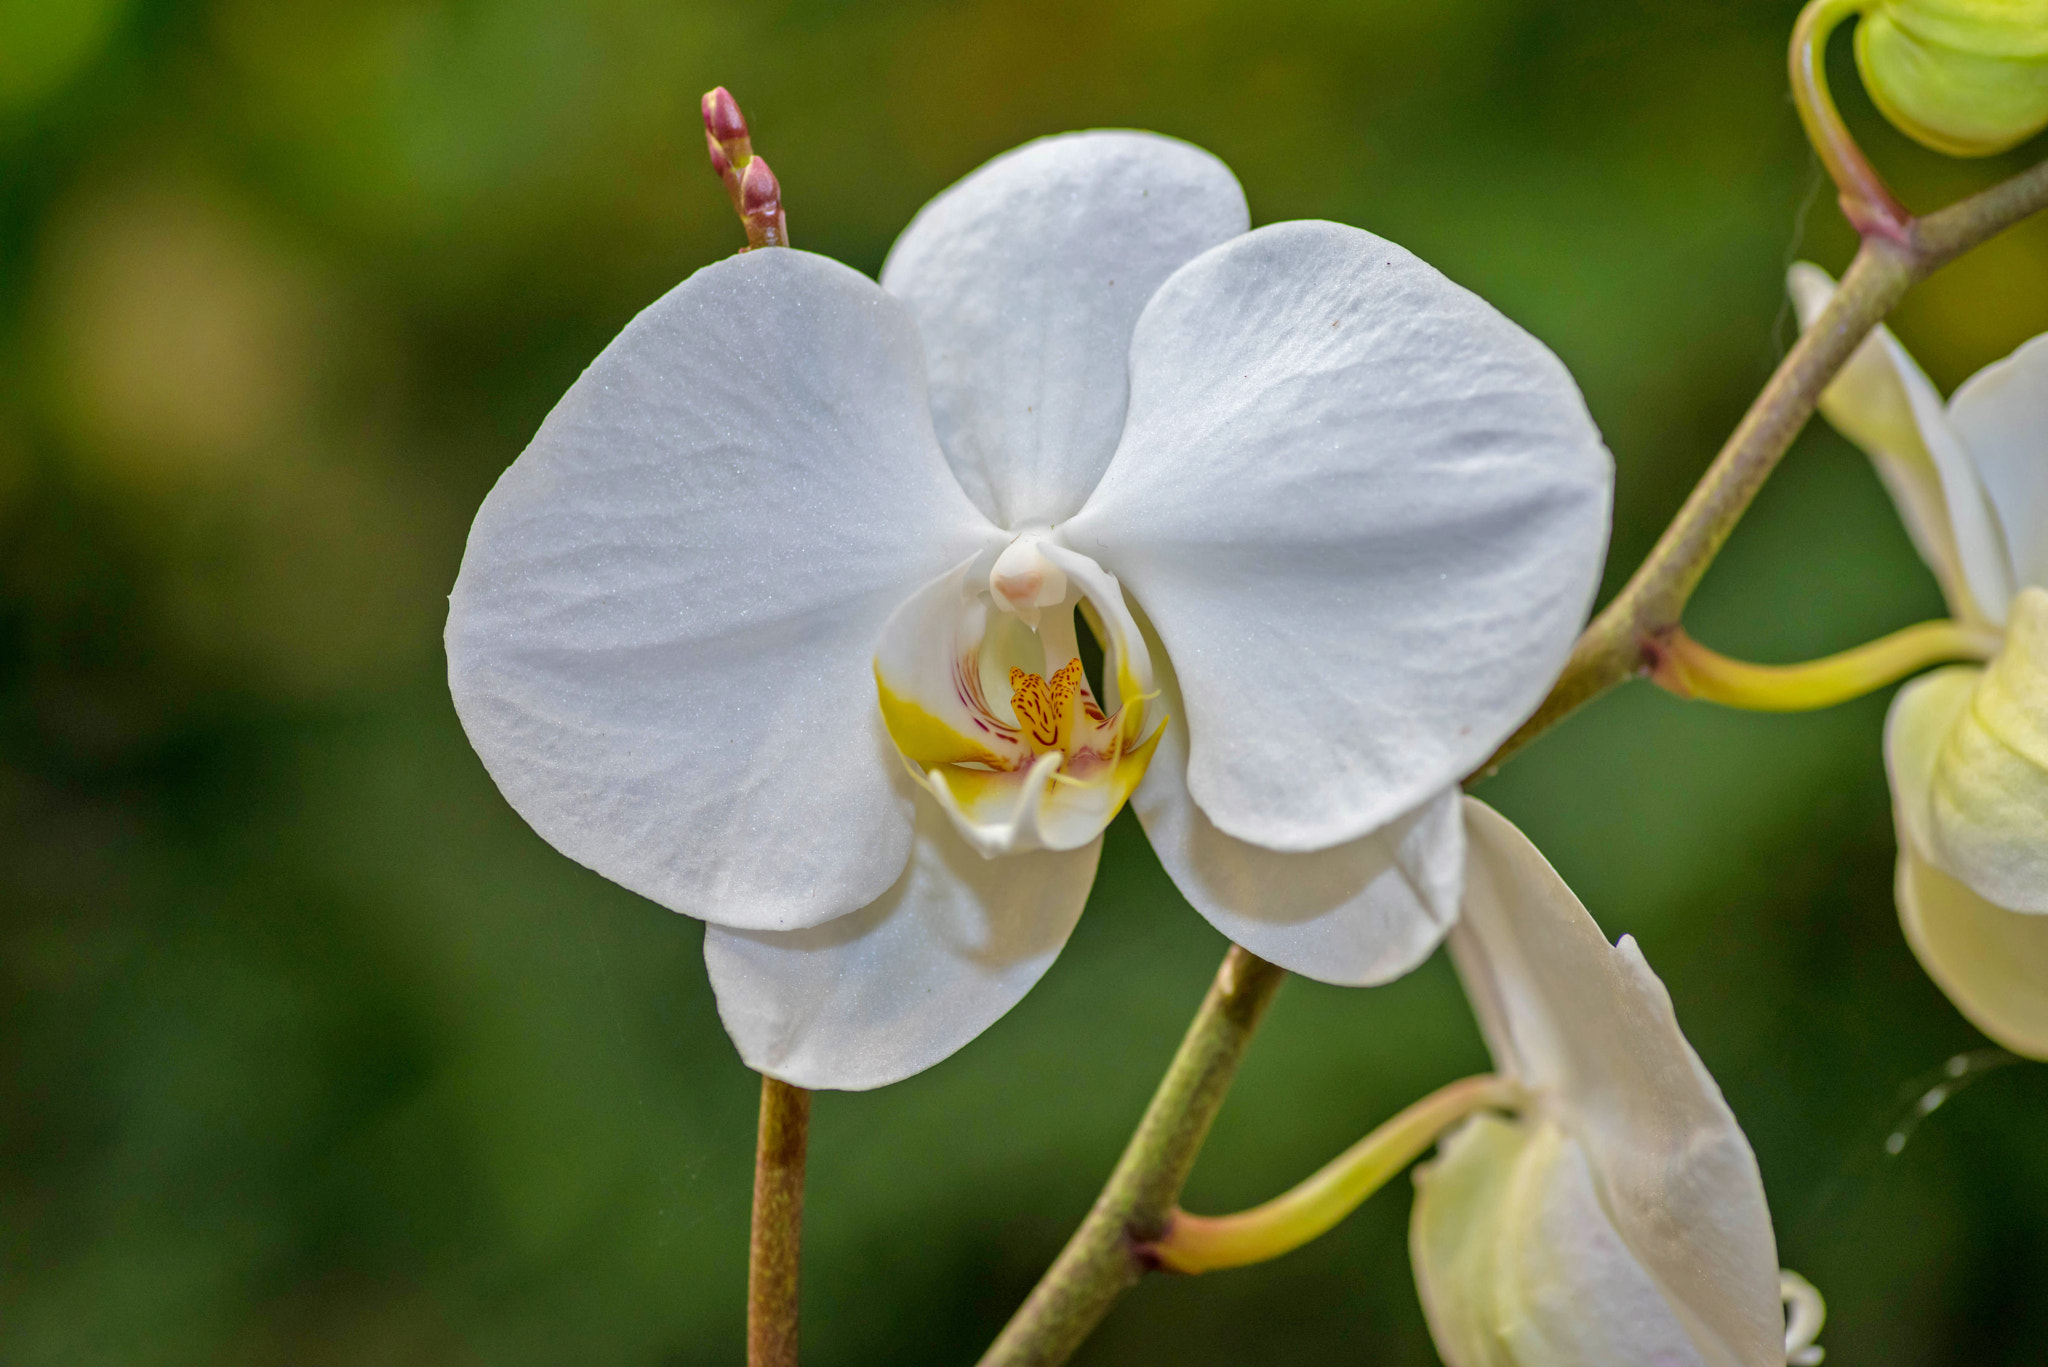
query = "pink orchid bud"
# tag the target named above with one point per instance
(756, 196)
(759, 192)
(760, 205)
(725, 127)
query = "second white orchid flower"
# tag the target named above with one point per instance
(1619, 1220)
(1967, 747)
(774, 622)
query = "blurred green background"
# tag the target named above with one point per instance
(311, 1053)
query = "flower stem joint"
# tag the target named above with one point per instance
(1964, 77)
(751, 186)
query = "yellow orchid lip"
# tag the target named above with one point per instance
(1051, 765)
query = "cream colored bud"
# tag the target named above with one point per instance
(1965, 77)
(1518, 1266)
(1986, 818)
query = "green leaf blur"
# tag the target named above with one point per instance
(311, 1053)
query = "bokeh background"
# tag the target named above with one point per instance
(311, 1053)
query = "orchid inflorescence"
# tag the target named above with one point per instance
(844, 615)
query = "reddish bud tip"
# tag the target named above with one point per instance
(722, 118)
(721, 164)
(760, 194)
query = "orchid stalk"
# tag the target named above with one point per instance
(1624, 639)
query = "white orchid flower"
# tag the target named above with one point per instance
(774, 621)
(1620, 1219)
(1967, 747)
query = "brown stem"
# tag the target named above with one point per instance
(1105, 1256)
(772, 1254)
(1622, 641)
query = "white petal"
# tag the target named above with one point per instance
(1980, 544)
(1968, 755)
(1882, 401)
(1867, 404)
(1518, 1266)
(1026, 279)
(1366, 514)
(1991, 962)
(898, 986)
(660, 641)
(2001, 415)
(1590, 1025)
(1356, 914)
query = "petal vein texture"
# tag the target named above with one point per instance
(660, 639)
(1366, 514)
(1027, 278)
(894, 988)
(2001, 416)
(1357, 914)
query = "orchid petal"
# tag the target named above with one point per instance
(1884, 403)
(1454, 1238)
(1867, 404)
(2001, 416)
(1980, 545)
(1990, 961)
(896, 987)
(1518, 1265)
(1026, 279)
(1038, 808)
(1968, 754)
(1366, 514)
(660, 639)
(1922, 715)
(1357, 914)
(1589, 1024)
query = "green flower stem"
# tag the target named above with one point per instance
(1205, 1243)
(1108, 1254)
(772, 1254)
(1623, 641)
(1690, 670)
(1866, 200)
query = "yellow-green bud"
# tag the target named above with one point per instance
(1965, 77)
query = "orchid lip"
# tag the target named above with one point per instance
(982, 688)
